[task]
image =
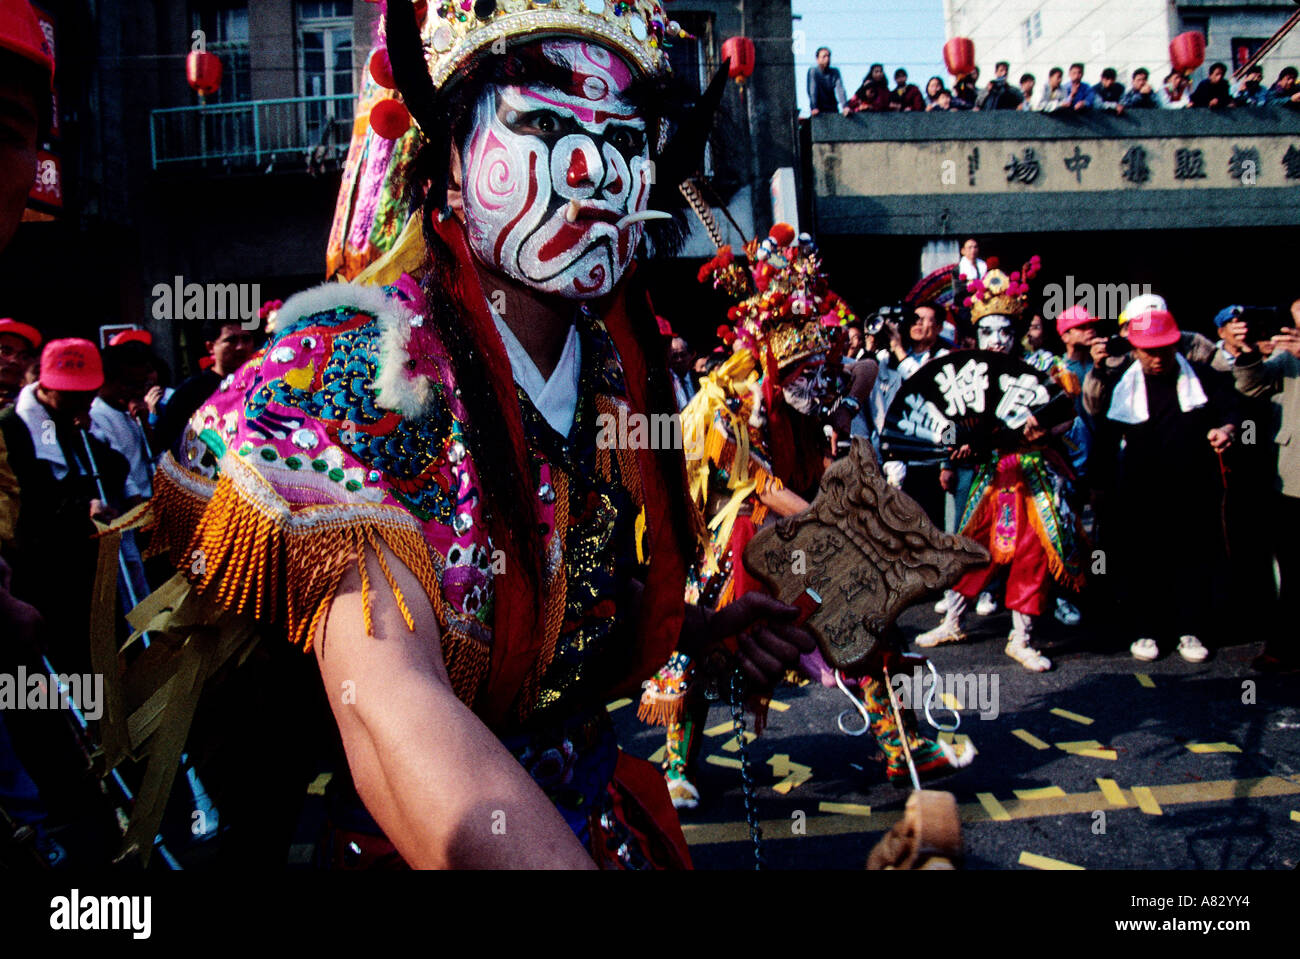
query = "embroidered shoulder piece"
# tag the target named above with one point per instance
(343, 434)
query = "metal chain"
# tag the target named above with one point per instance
(748, 787)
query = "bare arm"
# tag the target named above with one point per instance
(439, 783)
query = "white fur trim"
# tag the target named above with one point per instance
(395, 388)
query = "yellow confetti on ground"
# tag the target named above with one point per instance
(317, 787)
(1073, 717)
(1145, 680)
(1114, 795)
(733, 745)
(1295, 815)
(791, 781)
(1030, 738)
(1044, 792)
(994, 808)
(1147, 801)
(1098, 753)
(1082, 744)
(954, 739)
(1035, 861)
(779, 706)
(725, 761)
(718, 730)
(950, 701)
(1213, 748)
(848, 808)
(618, 704)
(658, 755)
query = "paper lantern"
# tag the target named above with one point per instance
(740, 51)
(203, 72)
(959, 56)
(1187, 51)
(381, 69)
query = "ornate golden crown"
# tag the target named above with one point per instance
(453, 31)
(997, 293)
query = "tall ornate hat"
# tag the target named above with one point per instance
(997, 293)
(453, 31)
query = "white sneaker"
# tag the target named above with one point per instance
(1145, 650)
(1067, 612)
(986, 605)
(942, 606)
(1028, 657)
(683, 794)
(1192, 650)
(945, 632)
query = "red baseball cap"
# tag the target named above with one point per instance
(28, 333)
(132, 336)
(1074, 316)
(71, 365)
(1153, 329)
(20, 33)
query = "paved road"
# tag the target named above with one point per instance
(1202, 777)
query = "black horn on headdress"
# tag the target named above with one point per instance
(406, 53)
(684, 153)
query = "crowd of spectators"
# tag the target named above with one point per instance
(827, 92)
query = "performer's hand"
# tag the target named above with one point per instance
(768, 642)
(963, 452)
(1220, 438)
(101, 511)
(947, 480)
(1033, 432)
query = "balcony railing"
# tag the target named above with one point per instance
(295, 133)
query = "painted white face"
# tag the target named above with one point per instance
(534, 150)
(994, 332)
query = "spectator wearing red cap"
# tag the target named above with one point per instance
(26, 74)
(50, 449)
(1166, 420)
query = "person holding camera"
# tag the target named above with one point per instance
(1277, 376)
(1166, 422)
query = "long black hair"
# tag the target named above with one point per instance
(445, 117)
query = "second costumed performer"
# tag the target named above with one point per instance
(408, 480)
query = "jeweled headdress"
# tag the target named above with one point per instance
(997, 293)
(787, 310)
(453, 31)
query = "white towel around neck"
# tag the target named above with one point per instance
(1128, 404)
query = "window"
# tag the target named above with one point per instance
(1200, 24)
(1243, 48)
(325, 64)
(226, 30)
(1033, 27)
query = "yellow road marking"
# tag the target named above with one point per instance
(1114, 795)
(950, 701)
(1035, 861)
(988, 808)
(1079, 746)
(1145, 680)
(850, 808)
(725, 761)
(1146, 801)
(733, 745)
(994, 808)
(1030, 738)
(721, 728)
(617, 704)
(1098, 753)
(791, 781)
(1213, 748)
(1073, 717)
(1044, 792)
(658, 755)
(779, 706)
(1295, 815)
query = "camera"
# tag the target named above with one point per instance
(1262, 322)
(1118, 346)
(886, 314)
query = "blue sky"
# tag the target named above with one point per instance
(897, 33)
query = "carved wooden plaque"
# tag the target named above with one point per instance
(867, 549)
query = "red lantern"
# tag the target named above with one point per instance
(203, 72)
(1187, 51)
(740, 51)
(959, 56)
